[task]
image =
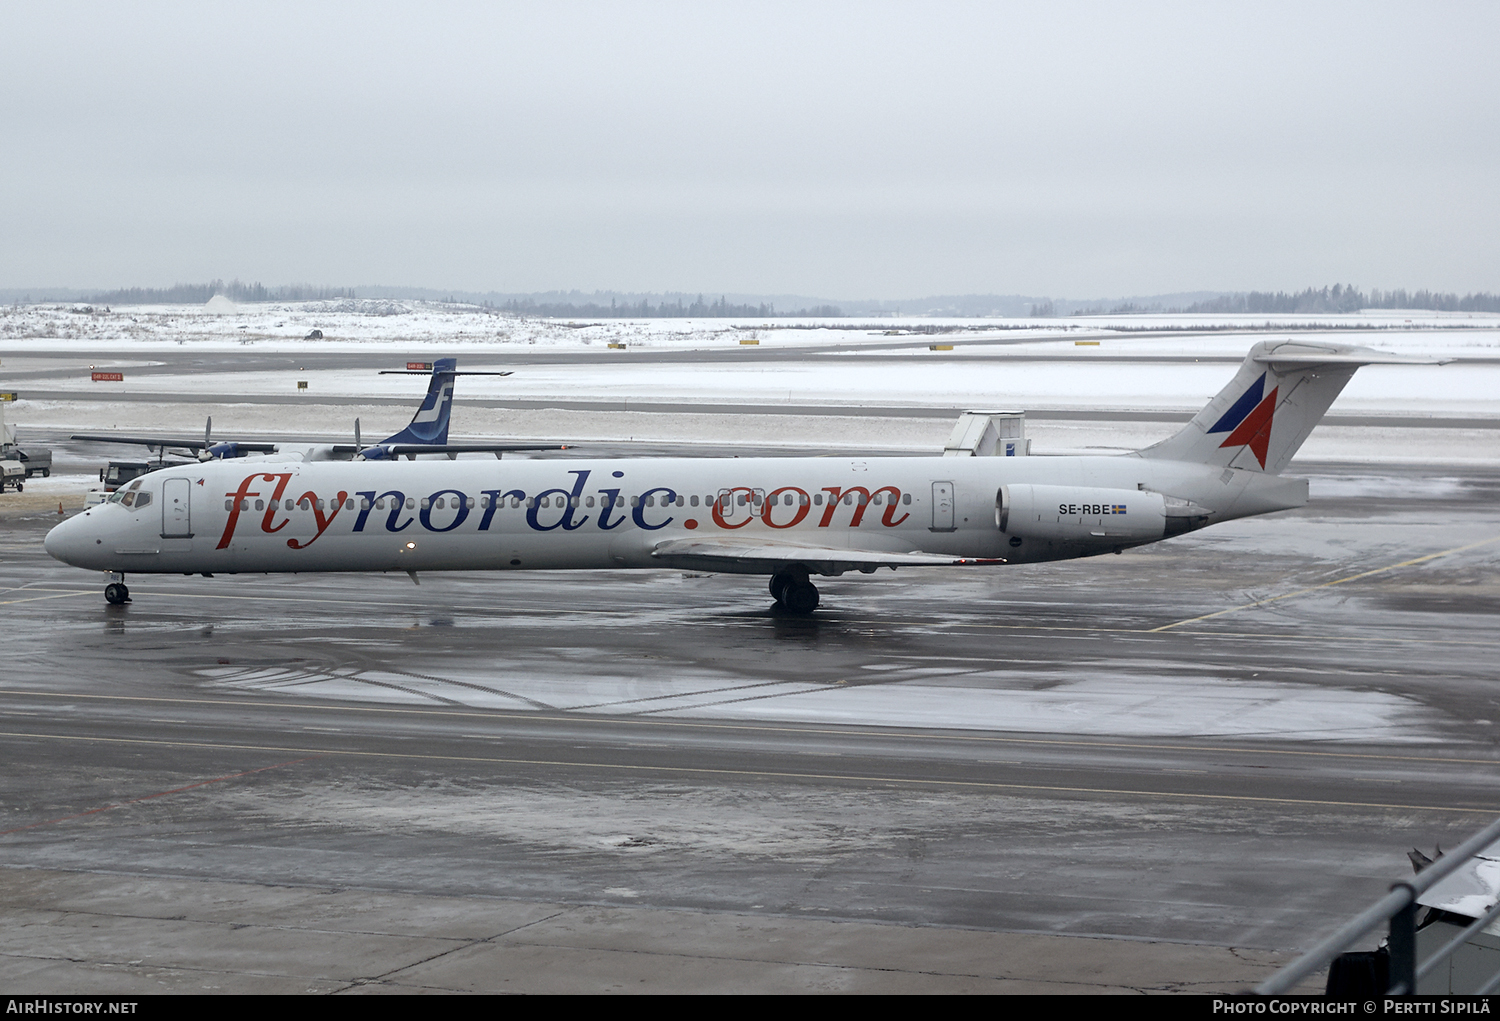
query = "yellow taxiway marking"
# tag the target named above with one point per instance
(621, 720)
(895, 781)
(1330, 584)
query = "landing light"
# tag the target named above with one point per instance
(411, 545)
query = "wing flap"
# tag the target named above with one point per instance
(767, 555)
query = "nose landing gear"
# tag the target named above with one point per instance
(115, 592)
(794, 592)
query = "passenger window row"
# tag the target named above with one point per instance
(444, 502)
(291, 504)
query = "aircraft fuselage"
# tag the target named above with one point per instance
(276, 515)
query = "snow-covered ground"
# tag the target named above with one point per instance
(1024, 364)
(1463, 390)
(1085, 377)
(356, 324)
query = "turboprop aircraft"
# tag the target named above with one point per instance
(427, 433)
(790, 518)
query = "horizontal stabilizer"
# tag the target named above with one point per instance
(1295, 354)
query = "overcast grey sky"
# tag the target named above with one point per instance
(843, 150)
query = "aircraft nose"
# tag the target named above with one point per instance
(62, 541)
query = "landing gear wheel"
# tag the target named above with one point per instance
(779, 585)
(801, 597)
(115, 594)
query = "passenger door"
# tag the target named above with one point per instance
(176, 519)
(942, 507)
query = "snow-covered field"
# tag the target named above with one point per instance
(1464, 390)
(356, 324)
(1023, 363)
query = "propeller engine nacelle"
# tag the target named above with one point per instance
(221, 450)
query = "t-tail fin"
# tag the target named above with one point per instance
(1263, 416)
(430, 423)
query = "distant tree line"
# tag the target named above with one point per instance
(197, 294)
(1338, 298)
(1481, 301)
(1346, 298)
(1129, 308)
(721, 309)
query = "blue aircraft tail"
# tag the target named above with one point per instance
(430, 423)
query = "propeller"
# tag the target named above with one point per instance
(218, 451)
(357, 445)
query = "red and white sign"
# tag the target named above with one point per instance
(109, 377)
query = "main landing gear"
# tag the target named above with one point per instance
(794, 592)
(115, 592)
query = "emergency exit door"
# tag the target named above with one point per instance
(740, 504)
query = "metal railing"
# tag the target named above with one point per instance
(1399, 907)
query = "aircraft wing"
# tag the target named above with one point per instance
(428, 372)
(381, 450)
(168, 441)
(767, 555)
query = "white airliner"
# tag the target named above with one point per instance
(790, 518)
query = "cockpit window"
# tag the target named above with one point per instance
(132, 496)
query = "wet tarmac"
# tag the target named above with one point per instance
(1229, 739)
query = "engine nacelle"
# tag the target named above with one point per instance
(1082, 514)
